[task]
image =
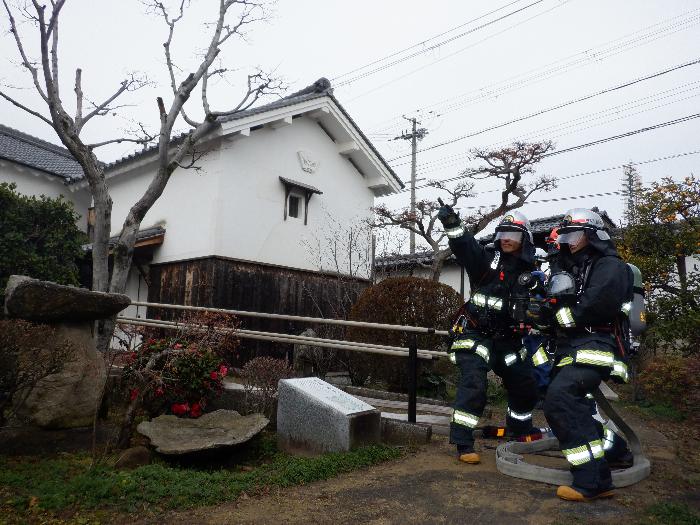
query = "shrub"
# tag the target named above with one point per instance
(179, 371)
(403, 301)
(261, 376)
(673, 380)
(26, 358)
(38, 237)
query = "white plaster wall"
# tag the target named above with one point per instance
(185, 209)
(250, 221)
(234, 206)
(137, 290)
(32, 182)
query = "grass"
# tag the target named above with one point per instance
(670, 514)
(65, 484)
(659, 411)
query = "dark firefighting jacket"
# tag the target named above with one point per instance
(591, 331)
(493, 279)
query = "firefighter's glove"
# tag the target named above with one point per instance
(448, 217)
(539, 313)
(450, 222)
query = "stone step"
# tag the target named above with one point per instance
(402, 405)
(440, 424)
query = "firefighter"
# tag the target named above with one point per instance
(484, 336)
(591, 286)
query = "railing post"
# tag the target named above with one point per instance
(412, 376)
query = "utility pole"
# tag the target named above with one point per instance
(415, 135)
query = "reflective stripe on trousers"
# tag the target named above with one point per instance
(520, 416)
(595, 357)
(585, 453)
(464, 418)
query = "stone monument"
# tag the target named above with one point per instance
(314, 416)
(67, 398)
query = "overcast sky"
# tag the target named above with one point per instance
(462, 79)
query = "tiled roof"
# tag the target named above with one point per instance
(407, 260)
(319, 89)
(141, 235)
(38, 154)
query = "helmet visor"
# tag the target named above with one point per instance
(571, 238)
(509, 236)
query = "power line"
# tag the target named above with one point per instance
(553, 199)
(559, 106)
(563, 2)
(563, 126)
(624, 135)
(396, 53)
(446, 41)
(600, 170)
(606, 50)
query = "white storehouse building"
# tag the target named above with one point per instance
(249, 229)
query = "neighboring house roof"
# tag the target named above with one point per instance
(406, 260)
(38, 154)
(546, 224)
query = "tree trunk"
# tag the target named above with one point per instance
(682, 273)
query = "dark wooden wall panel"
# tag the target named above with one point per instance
(238, 285)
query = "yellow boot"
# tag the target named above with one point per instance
(571, 494)
(470, 457)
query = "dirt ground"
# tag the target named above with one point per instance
(430, 486)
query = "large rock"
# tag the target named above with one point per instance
(221, 428)
(314, 416)
(69, 398)
(44, 301)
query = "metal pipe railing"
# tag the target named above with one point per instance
(301, 319)
(413, 353)
(291, 339)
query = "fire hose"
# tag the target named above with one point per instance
(510, 460)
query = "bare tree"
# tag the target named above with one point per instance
(507, 165)
(232, 18)
(424, 223)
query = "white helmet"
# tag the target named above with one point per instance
(514, 221)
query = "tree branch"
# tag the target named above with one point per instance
(25, 108)
(25, 60)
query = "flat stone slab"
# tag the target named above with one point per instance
(44, 301)
(395, 432)
(314, 417)
(439, 424)
(221, 428)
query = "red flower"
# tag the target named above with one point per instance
(196, 410)
(177, 346)
(151, 341)
(133, 356)
(134, 393)
(180, 408)
(214, 375)
(223, 370)
(160, 391)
